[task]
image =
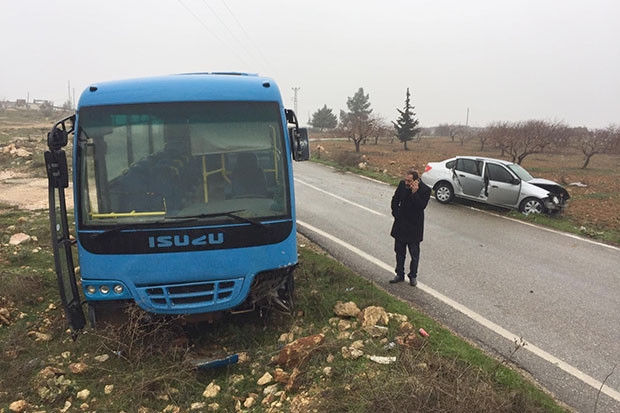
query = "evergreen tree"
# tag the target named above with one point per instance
(324, 119)
(406, 125)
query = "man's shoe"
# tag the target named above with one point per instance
(397, 279)
(413, 281)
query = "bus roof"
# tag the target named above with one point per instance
(182, 88)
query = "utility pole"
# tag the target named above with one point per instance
(467, 118)
(295, 90)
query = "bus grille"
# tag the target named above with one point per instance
(192, 296)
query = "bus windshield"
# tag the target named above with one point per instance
(148, 163)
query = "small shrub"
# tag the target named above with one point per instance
(348, 159)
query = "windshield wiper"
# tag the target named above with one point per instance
(230, 214)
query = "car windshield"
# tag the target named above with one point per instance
(520, 172)
(147, 163)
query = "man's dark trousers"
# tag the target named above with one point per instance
(400, 248)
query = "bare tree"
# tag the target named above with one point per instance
(443, 129)
(522, 139)
(498, 133)
(595, 142)
(357, 124)
(484, 136)
(454, 131)
(463, 133)
(381, 128)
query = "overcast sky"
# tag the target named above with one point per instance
(499, 60)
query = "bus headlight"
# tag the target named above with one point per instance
(118, 289)
(104, 289)
(90, 289)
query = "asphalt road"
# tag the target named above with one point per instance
(490, 279)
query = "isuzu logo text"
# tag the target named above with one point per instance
(167, 241)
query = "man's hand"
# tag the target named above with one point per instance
(413, 185)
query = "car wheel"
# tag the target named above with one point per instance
(444, 192)
(532, 206)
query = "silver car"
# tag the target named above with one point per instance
(493, 181)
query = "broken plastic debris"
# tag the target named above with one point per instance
(214, 362)
(423, 332)
(390, 345)
(383, 359)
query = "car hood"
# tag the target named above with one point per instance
(550, 186)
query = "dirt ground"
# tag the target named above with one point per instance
(595, 191)
(25, 192)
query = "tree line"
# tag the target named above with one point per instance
(515, 140)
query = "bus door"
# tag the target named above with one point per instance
(58, 180)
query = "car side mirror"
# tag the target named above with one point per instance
(516, 181)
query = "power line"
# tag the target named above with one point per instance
(204, 25)
(247, 36)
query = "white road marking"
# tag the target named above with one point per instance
(477, 317)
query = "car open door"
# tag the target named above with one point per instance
(503, 188)
(468, 176)
(58, 177)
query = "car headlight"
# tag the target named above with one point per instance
(555, 199)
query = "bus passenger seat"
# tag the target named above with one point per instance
(247, 178)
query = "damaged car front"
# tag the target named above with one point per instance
(557, 197)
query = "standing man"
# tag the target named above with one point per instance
(408, 203)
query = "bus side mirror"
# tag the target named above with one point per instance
(300, 144)
(57, 138)
(57, 170)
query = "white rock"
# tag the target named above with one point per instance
(42, 336)
(266, 379)
(212, 390)
(19, 238)
(197, 406)
(18, 406)
(83, 394)
(22, 153)
(102, 358)
(249, 402)
(271, 389)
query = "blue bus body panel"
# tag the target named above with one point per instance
(185, 282)
(196, 87)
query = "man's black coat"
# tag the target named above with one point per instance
(408, 212)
